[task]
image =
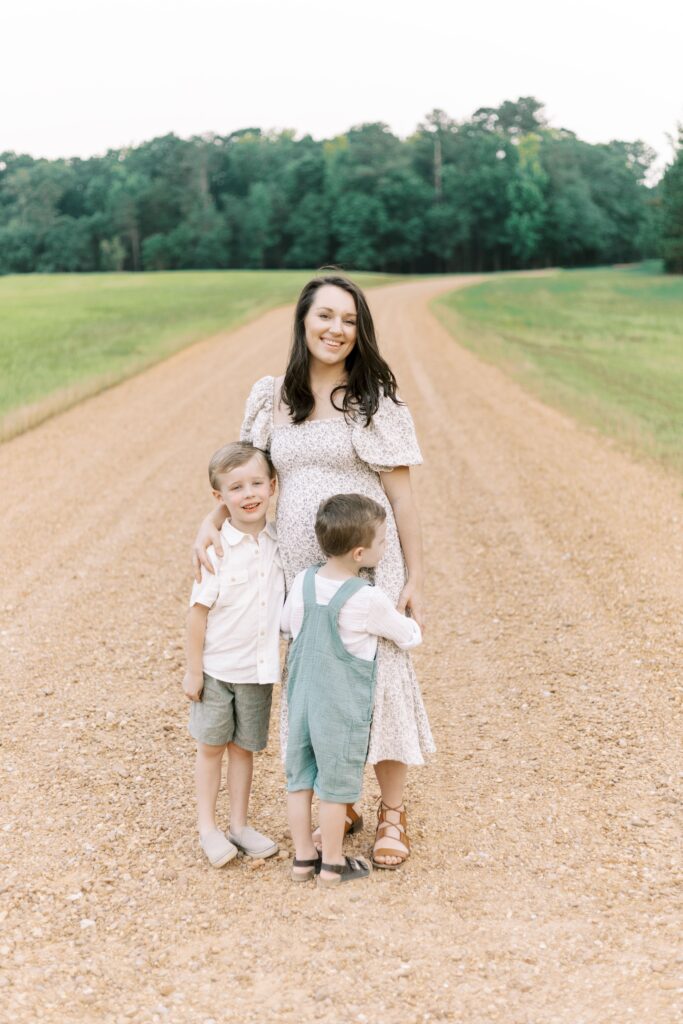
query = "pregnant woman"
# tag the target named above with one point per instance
(334, 424)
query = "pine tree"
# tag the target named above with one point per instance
(672, 211)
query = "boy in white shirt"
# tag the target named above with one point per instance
(335, 618)
(233, 656)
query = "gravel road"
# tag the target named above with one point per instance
(545, 882)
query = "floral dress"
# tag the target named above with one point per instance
(319, 458)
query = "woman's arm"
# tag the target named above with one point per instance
(399, 491)
(209, 533)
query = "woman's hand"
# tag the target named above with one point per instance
(209, 533)
(411, 600)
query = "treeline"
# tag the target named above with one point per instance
(501, 190)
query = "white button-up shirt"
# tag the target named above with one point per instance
(245, 596)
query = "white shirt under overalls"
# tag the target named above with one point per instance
(245, 596)
(369, 613)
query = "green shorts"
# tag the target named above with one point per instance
(232, 713)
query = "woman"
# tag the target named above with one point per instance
(334, 424)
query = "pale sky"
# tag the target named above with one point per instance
(80, 76)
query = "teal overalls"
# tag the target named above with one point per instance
(329, 696)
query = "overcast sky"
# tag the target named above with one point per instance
(80, 76)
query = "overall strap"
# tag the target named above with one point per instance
(347, 590)
(309, 587)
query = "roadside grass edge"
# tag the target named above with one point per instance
(631, 412)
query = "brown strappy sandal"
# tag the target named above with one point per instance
(353, 824)
(383, 827)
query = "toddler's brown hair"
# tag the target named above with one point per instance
(347, 521)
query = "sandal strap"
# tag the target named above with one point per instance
(382, 815)
(350, 864)
(396, 825)
(394, 830)
(384, 852)
(401, 836)
(305, 863)
(351, 815)
(355, 864)
(337, 868)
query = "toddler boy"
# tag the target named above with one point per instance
(233, 656)
(335, 618)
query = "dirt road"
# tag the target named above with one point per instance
(545, 886)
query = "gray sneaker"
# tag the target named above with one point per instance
(218, 849)
(253, 843)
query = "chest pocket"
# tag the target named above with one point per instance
(234, 588)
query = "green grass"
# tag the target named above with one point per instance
(605, 346)
(66, 336)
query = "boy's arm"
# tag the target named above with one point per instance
(290, 619)
(193, 682)
(285, 618)
(384, 620)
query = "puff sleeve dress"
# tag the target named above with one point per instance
(319, 458)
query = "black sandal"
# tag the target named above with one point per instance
(352, 869)
(312, 865)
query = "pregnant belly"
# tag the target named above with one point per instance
(297, 506)
(300, 496)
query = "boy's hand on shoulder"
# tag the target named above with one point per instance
(193, 684)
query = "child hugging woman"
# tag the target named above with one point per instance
(334, 423)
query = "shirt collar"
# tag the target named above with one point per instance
(233, 536)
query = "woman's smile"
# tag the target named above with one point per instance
(330, 323)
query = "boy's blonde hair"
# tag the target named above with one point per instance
(235, 454)
(347, 521)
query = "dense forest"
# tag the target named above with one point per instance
(501, 190)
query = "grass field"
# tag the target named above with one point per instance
(605, 346)
(66, 336)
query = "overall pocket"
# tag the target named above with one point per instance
(358, 742)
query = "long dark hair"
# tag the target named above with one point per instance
(368, 375)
